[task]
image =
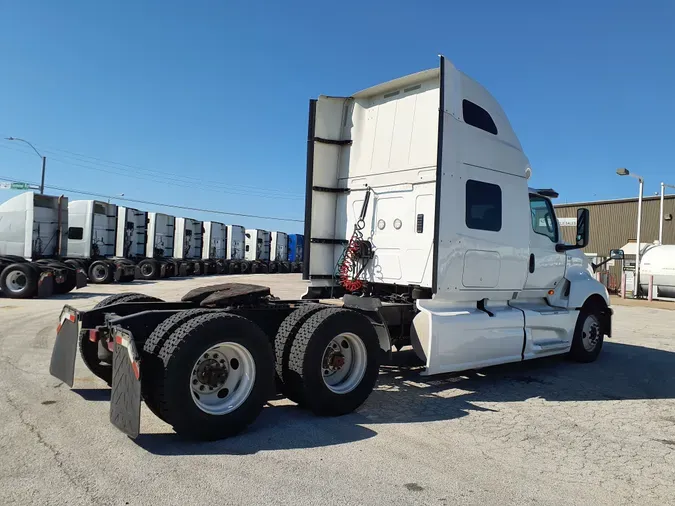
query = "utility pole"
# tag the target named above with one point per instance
(42, 180)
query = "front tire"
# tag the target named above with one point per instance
(588, 337)
(218, 373)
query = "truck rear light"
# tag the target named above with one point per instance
(93, 335)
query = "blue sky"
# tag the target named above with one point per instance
(218, 90)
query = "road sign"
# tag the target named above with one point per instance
(6, 185)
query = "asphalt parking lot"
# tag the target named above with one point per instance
(545, 432)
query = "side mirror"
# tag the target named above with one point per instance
(616, 254)
(583, 231)
(583, 221)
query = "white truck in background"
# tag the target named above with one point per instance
(188, 247)
(257, 249)
(159, 248)
(214, 247)
(419, 223)
(92, 241)
(33, 245)
(236, 255)
(279, 253)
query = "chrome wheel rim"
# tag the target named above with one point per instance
(16, 281)
(344, 363)
(222, 378)
(99, 272)
(590, 332)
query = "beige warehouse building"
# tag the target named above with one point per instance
(614, 224)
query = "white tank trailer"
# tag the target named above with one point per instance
(188, 247)
(279, 253)
(92, 236)
(658, 261)
(257, 249)
(33, 242)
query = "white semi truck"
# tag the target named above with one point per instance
(257, 249)
(279, 252)
(33, 244)
(188, 247)
(236, 245)
(421, 229)
(92, 241)
(214, 248)
(159, 248)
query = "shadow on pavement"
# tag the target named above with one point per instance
(277, 428)
(623, 372)
(78, 295)
(93, 394)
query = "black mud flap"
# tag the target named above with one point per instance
(45, 285)
(117, 275)
(125, 398)
(183, 270)
(162, 270)
(80, 278)
(62, 365)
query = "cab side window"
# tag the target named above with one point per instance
(543, 217)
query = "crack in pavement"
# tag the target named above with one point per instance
(33, 429)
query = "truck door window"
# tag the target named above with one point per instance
(543, 217)
(483, 206)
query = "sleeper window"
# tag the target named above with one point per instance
(478, 117)
(483, 206)
(75, 233)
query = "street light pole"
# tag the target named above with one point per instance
(44, 160)
(663, 193)
(42, 179)
(625, 172)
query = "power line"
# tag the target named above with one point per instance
(148, 202)
(171, 180)
(87, 158)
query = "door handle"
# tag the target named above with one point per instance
(531, 262)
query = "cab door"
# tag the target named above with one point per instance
(546, 266)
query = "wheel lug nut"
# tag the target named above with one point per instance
(206, 355)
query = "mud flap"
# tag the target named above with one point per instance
(45, 285)
(117, 274)
(80, 278)
(62, 365)
(125, 397)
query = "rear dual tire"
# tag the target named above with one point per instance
(327, 359)
(217, 375)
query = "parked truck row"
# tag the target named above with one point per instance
(50, 245)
